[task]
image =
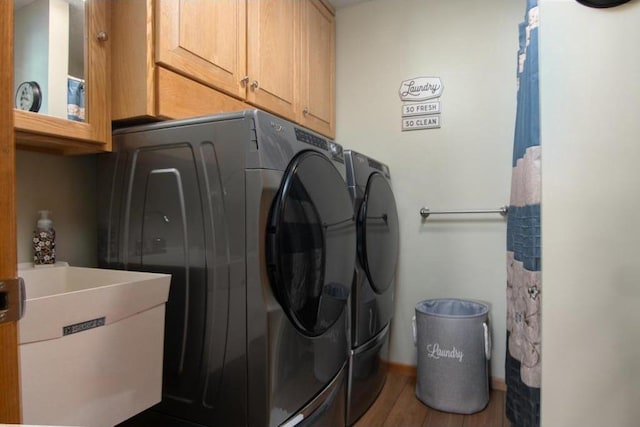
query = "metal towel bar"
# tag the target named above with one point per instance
(425, 212)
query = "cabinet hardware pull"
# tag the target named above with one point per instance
(305, 111)
(244, 81)
(255, 85)
(102, 36)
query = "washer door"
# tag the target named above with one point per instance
(378, 233)
(311, 243)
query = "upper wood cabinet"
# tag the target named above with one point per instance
(317, 70)
(192, 57)
(205, 41)
(248, 50)
(59, 135)
(273, 52)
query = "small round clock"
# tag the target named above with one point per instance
(29, 96)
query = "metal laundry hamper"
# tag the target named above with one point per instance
(454, 347)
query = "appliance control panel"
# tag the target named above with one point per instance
(379, 166)
(334, 149)
(311, 139)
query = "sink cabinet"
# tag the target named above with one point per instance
(176, 59)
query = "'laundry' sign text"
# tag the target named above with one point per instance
(420, 88)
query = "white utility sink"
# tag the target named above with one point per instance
(91, 344)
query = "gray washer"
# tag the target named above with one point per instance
(251, 215)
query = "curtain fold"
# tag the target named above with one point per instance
(524, 287)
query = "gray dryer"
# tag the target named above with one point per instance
(372, 294)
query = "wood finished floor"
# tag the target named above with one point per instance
(397, 406)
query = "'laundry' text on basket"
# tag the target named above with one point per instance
(434, 351)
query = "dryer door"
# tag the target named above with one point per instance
(378, 233)
(311, 243)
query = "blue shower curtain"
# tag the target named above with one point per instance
(523, 239)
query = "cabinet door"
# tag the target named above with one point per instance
(205, 41)
(317, 74)
(272, 55)
(9, 353)
(62, 136)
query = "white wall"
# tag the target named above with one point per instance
(67, 187)
(590, 98)
(472, 47)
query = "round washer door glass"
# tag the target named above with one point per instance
(378, 233)
(311, 243)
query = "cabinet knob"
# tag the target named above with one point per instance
(255, 85)
(305, 111)
(244, 81)
(102, 36)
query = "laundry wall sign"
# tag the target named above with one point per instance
(420, 108)
(416, 113)
(420, 88)
(421, 122)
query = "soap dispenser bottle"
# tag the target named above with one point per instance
(44, 240)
